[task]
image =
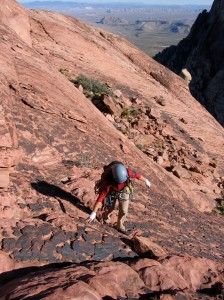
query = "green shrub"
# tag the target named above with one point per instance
(92, 87)
(135, 112)
(64, 71)
(130, 112)
(126, 113)
(160, 144)
(139, 146)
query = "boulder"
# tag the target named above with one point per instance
(146, 248)
(179, 172)
(113, 108)
(200, 273)
(165, 156)
(159, 160)
(186, 75)
(160, 278)
(153, 113)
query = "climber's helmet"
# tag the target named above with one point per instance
(120, 173)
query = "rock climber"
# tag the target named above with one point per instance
(115, 185)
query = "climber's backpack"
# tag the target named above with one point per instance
(107, 174)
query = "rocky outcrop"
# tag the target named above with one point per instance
(139, 279)
(201, 54)
(55, 140)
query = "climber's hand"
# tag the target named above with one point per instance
(91, 217)
(147, 183)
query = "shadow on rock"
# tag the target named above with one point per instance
(48, 189)
(215, 290)
(8, 276)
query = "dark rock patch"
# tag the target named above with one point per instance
(67, 252)
(24, 242)
(78, 246)
(8, 244)
(45, 229)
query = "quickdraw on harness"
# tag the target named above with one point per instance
(123, 195)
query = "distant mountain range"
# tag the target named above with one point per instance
(54, 4)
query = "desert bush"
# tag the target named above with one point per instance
(160, 145)
(139, 146)
(92, 87)
(130, 112)
(64, 71)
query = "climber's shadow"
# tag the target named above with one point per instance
(48, 189)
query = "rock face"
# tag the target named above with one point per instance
(201, 54)
(56, 136)
(139, 279)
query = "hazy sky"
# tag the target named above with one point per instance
(168, 2)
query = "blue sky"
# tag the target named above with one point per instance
(168, 2)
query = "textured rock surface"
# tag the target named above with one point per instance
(54, 143)
(142, 279)
(200, 56)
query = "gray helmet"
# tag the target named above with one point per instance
(120, 173)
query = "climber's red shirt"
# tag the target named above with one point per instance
(109, 186)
